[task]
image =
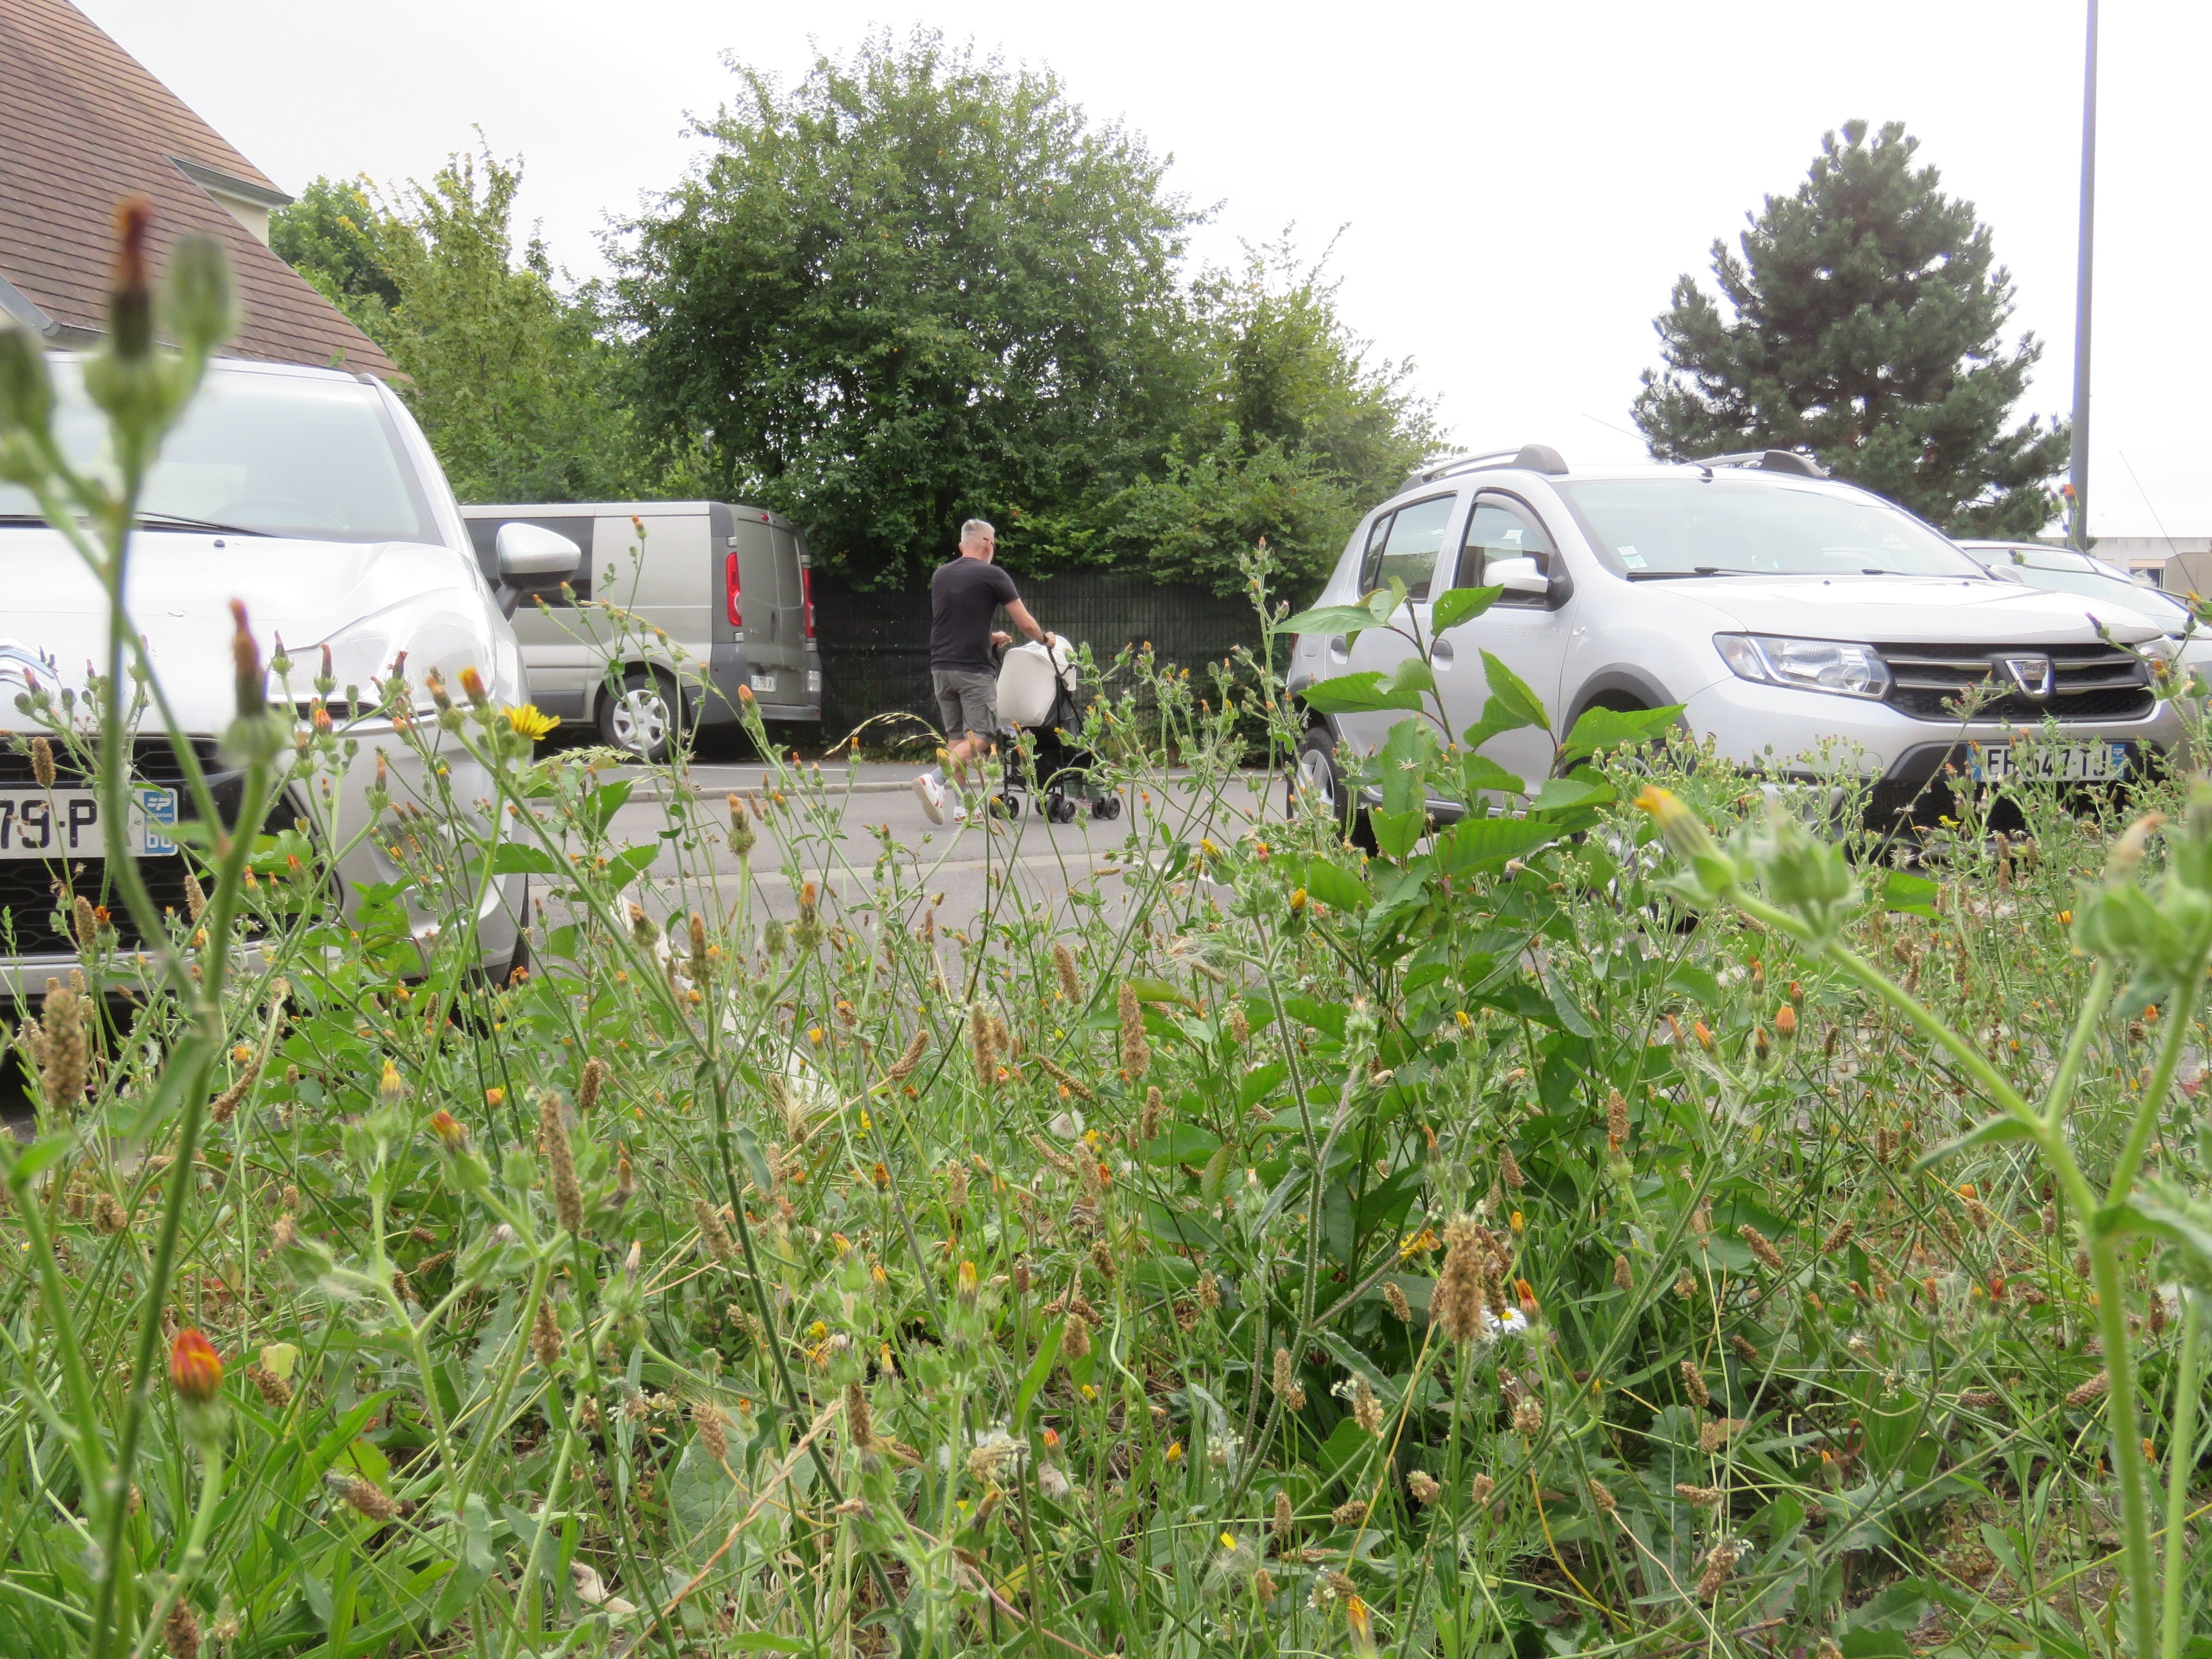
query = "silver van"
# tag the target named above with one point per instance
(727, 588)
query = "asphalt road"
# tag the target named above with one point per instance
(836, 836)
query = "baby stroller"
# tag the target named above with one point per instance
(1036, 695)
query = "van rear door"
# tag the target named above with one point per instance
(769, 664)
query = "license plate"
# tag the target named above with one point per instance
(763, 681)
(2053, 763)
(64, 823)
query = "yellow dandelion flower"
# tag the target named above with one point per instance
(528, 720)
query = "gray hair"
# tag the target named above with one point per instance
(975, 525)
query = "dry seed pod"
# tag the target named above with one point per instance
(1623, 1279)
(1509, 1170)
(1394, 1299)
(1693, 1385)
(1763, 1248)
(1136, 1052)
(1479, 1490)
(560, 1164)
(1285, 1519)
(859, 1423)
(370, 1501)
(42, 762)
(1148, 1120)
(1063, 968)
(84, 923)
(1718, 1566)
(62, 1076)
(546, 1335)
(903, 1066)
(981, 1046)
(707, 1417)
(1456, 1303)
(181, 1630)
(589, 1085)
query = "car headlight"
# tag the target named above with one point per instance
(1842, 667)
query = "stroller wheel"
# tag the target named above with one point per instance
(1111, 807)
(1043, 806)
(1062, 810)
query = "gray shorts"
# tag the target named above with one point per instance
(967, 701)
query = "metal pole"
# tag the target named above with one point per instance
(2079, 476)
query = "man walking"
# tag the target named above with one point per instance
(962, 594)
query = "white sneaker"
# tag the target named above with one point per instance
(931, 793)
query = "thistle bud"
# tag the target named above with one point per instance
(251, 685)
(472, 687)
(195, 1369)
(742, 838)
(451, 1135)
(130, 301)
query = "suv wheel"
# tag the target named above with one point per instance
(1319, 776)
(642, 717)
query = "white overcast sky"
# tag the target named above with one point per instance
(1518, 184)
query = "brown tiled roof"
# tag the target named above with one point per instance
(83, 125)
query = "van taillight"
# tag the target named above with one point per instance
(730, 590)
(807, 591)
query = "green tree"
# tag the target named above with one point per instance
(521, 388)
(1865, 320)
(329, 236)
(918, 287)
(1295, 434)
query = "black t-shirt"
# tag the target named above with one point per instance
(962, 597)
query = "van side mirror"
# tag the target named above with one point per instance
(1520, 575)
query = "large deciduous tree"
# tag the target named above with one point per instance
(1864, 323)
(519, 385)
(916, 287)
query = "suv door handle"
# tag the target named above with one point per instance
(1339, 646)
(1441, 654)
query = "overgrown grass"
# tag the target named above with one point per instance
(1502, 1247)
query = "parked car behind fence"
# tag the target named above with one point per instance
(692, 600)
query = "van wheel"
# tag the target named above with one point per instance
(642, 717)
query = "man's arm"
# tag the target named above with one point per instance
(1019, 614)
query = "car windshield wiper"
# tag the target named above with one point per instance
(178, 521)
(1692, 574)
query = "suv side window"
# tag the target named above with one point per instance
(1372, 560)
(1404, 545)
(1501, 529)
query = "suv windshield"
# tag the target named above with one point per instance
(1685, 525)
(265, 454)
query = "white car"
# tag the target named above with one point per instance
(311, 495)
(1792, 616)
(2108, 589)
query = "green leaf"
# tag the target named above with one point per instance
(1337, 888)
(1478, 773)
(1911, 894)
(1507, 688)
(1039, 1373)
(1158, 990)
(1560, 795)
(1345, 619)
(1991, 1131)
(761, 1641)
(1362, 693)
(1214, 1175)
(1461, 604)
(1383, 603)
(521, 858)
(599, 809)
(1601, 731)
(26, 1166)
(749, 1150)
(1396, 832)
(1476, 844)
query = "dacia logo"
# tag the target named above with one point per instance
(2034, 676)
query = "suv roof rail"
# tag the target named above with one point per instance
(1766, 460)
(1535, 457)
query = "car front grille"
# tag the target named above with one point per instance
(37, 895)
(2096, 681)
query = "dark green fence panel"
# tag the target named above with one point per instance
(875, 645)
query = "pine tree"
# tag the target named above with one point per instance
(1867, 314)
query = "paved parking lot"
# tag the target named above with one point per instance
(1022, 861)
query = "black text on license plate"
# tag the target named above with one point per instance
(64, 823)
(2048, 763)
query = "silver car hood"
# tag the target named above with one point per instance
(368, 601)
(1907, 610)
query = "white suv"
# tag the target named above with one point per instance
(1790, 614)
(312, 494)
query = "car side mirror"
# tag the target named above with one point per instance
(1520, 575)
(531, 549)
(528, 553)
